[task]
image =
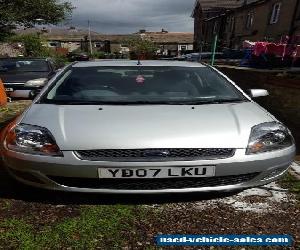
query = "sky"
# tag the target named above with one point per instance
(129, 16)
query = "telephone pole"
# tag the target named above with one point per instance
(90, 38)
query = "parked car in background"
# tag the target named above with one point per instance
(23, 77)
(180, 58)
(153, 127)
(75, 56)
(195, 57)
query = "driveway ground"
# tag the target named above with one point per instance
(38, 219)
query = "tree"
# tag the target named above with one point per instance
(27, 13)
(142, 48)
(34, 46)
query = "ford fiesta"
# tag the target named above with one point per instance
(149, 127)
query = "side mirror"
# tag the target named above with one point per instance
(254, 93)
(33, 94)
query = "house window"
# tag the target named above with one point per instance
(53, 44)
(183, 48)
(216, 26)
(275, 13)
(98, 45)
(250, 19)
(232, 23)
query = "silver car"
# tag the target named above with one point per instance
(149, 127)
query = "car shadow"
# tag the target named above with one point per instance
(11, 189)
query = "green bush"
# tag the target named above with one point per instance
(141, 48)
(98, 55)
(34, 45)
(60, 60)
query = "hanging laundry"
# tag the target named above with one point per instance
(248, 44)
(276, 49)
(259, 48)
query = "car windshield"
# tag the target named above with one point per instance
(141, 85)
(23, 65)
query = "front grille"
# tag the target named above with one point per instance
(166, 154)
(152, 184)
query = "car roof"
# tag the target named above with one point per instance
(153, 63)
(25, 58)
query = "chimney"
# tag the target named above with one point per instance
(44, 30)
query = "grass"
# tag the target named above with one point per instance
(5, 204)
(290, 182)
(97, 226)
(11, 110)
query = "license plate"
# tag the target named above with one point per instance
(156, 173)
(9, 89)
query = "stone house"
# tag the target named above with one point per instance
(265, 20)
(296, 23)
(11, 49)
(260, 20)
(169, 43)
(206, 14)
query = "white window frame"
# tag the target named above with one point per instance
(249, 20)
(232, 23)
(275, 13)
(98, 44)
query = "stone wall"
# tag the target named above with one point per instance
(284, 99)
(10, 50)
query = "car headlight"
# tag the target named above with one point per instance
(32, 140)
(269, 136)
(36, 82)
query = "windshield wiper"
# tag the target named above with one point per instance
(72, 102)
(202, 102)
(196, 102)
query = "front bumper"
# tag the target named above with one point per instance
(46, 172)
(20, 91)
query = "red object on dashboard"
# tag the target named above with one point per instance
(140, 79)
